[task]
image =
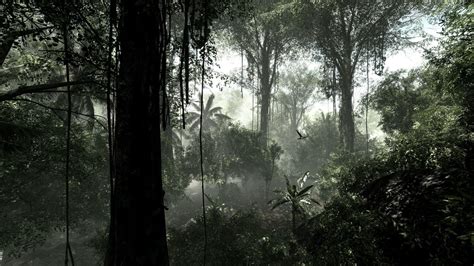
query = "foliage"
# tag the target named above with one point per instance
(412, 203)
(209, 116)
(233, 151)
(297, 93)
(345, 233)
(397, 99)
(298, 196)
(414, 200)
(32, 197)
(237, 237)
(322, 142)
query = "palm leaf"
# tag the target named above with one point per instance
(197, 107)
(194, 125)
(279, 203)
(210, 100)
(304, 190)
(315, 201)
(215, 110)
(222, 116)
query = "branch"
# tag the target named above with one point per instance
(10, 95)
(7, 43)
(54, 109)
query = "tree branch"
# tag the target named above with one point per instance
(7, 42)
(54, 109)
(11, 94)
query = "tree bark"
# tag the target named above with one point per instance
(266, 91)
(346, 113)
(139, 228)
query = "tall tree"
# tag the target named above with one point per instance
(297, 94)
(138, 227)
(262, 36)
(342, 30)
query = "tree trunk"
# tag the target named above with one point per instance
(167, 149)
(139, 230)
(266, 92)
(346, 113)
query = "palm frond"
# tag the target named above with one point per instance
(279, 203)
(197, 107)
(222, 116)
(214, 110)
(315, 201)
(304, 190)
(209, 103)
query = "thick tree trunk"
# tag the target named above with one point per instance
(138, 236)
(346, 113)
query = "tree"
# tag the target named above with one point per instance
(397, 98)
(342, 31)
(315, 152)
(32, 196)
(138, 229)
(262, 36)
(297, 94)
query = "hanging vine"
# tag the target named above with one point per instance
(68, 251)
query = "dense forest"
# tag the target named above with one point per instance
(236, 132)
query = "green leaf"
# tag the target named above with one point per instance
(304, 190)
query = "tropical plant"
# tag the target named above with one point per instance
(297, 196)
(211, 115)
(275, 151)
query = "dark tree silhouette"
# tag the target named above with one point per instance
(138, 229)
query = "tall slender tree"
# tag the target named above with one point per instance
(263, 37)
(297, 93)
(341, 31)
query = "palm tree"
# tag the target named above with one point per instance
(211, 116)
(296, 196)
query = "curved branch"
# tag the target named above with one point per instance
(54, 109)
(11, 94)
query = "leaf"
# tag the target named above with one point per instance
(305, 201)
(210, 100)
(315, 201)
(222, 116)
(304, 190)
(279, 203)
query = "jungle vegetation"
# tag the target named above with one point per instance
(236, 132)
